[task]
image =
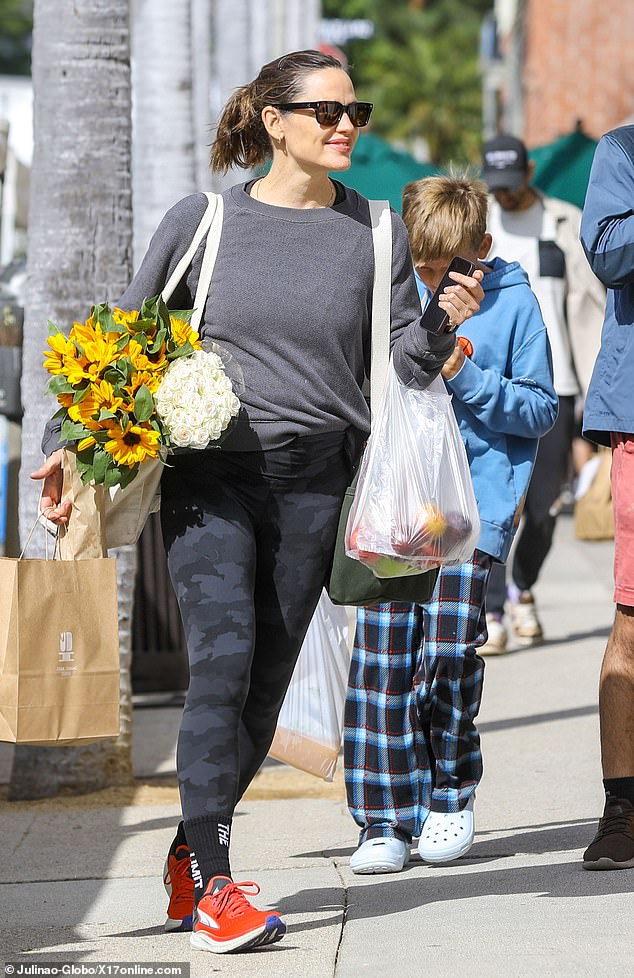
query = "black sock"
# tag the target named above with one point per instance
(208, 838)
(619, 788)
(179, 838)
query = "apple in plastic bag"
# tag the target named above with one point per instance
(385, 566)
(459, 528)
(423, 538)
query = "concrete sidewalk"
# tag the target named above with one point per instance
(83, 885)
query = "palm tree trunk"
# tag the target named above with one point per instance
(163, 125)
(79, 251)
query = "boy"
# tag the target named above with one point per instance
(411, 748)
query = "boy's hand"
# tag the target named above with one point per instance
(462, 300)
(454, 363)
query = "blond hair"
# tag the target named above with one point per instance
(445, 216)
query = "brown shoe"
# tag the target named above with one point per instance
(613, 845)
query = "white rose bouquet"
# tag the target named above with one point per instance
(195, 402)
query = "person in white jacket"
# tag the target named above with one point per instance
(542, 234)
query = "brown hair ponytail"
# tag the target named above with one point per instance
(241, 139)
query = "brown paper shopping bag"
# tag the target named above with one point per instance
(594, 516)
(101, 519)
(59, 650)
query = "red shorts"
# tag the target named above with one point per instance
(623, 503)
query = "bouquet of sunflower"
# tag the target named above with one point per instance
(134, 385)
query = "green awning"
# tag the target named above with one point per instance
(562, 168)
(380, 172)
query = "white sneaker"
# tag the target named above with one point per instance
(497, 640)
(382, 855)
(526, 624)
(446, 837)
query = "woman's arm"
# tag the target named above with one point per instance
(417, 355)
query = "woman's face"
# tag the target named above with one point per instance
(314, 146)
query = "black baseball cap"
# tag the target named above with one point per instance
(504, 162)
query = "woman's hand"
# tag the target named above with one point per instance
(51, 504)
(462, 300)
(453, 364)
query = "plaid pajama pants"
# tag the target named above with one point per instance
(410, 741)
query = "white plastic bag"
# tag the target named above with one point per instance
(310, 724)
(414, 506)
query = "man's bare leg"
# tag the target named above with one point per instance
(616, 698)
(613, 845)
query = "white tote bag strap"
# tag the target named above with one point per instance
(381, 298)
(210, 225)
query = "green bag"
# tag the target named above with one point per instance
(352, 583)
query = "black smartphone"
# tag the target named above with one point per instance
(435, 319)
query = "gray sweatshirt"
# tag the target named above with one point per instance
(291, 299)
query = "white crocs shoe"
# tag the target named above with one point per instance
(382, 855)
(446, 837)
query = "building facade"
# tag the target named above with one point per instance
(550, 66)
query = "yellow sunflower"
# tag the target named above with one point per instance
(142, 362)
(100, 397)
(84, 411)
(134, 444)
(105, 397)
(101, 353)
(127, 319)
(182, 332)
(151, 379)
(86, 332)
(61, 351)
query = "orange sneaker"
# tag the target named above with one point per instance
(177, 880)
(225, 920)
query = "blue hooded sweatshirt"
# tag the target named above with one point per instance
(503, 399)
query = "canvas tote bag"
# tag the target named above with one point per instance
(59, 651)
(124, 512)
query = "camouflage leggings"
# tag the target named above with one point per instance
(249, 537)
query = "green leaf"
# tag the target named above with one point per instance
(84, 459)
(184, 314)
(149, 309)
(182, 351)
(143, 404)
(81, 394)
(73, 431)
(101, 462)
(105, 415)
(159, 339)
(112, 476)
(126, 475)
(86, 475)
(60, 385)
(53, 329)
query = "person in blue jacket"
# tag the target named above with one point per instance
(411, 748)
(607, 236)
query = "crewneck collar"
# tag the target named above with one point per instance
(298, 215)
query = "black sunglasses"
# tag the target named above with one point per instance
(329, 113)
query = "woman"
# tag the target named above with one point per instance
(249, 529)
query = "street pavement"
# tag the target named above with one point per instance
(82, 885)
